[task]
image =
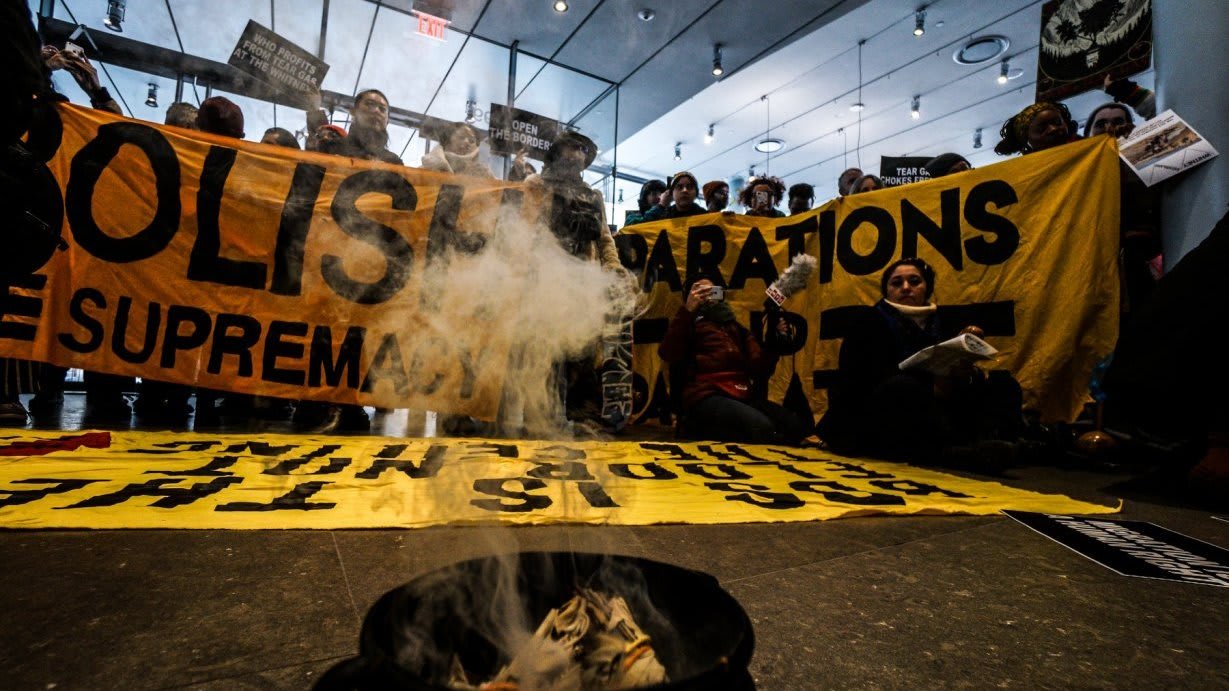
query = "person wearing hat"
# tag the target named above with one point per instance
(716, 195)
(326, 139)
(683, 190)
(578, 212)
(457, 153)
(650, 195)
(947, 164)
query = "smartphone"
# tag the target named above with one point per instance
(74, 49)
(761, 198)
(716, 293)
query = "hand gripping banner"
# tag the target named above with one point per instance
(1025, 249)
(199, 259)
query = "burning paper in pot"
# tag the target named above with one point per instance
(589, 643)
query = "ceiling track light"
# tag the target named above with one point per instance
(678, 151)
(151, 99)
(718, 70)
(114, 19)
(919, 21)
(858, 105)
(471, 107)
(708, 136)
(977, 138)
(561, 6)
(916, 111)
(1004, 70)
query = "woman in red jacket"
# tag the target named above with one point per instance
(724, 372)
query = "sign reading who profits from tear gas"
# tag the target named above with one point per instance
(513, 129)
(1026, 249)
(229, 481)
(276, 61)
(205, 260)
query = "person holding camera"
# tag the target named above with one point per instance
(761, 196)
(721, 371)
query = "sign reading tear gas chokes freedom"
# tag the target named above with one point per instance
(1025, 249)
(204, 260)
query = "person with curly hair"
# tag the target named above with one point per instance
(1043, 125)
(761, 196)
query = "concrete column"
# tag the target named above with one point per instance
(1191, 54)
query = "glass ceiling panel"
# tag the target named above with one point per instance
(349, 23)
(404, 65)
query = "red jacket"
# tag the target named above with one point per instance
(716, 358)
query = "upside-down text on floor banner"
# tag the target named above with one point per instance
(169, 480)
(198, 259)
(1026, 249)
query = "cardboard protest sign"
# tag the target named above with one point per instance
(277, 62)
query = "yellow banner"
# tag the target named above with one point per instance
(1026, 249)
(199, 259)
(171, 480)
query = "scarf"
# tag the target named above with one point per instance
(918, 315)
(717, 312)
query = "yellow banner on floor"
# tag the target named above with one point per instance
(199, 259)
(228, 481)
(1026, 249)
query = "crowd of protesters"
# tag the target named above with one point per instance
(724, 366)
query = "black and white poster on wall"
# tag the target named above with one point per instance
(1083, 41)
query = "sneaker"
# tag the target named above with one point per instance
(13, 414)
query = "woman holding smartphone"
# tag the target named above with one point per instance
(761, 196)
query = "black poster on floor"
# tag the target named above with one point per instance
(1134, 548)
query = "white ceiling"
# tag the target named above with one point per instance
(801, 54)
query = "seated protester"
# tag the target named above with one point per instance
(457, 153)
(650, 196)
(761, 196)
(866, 183)
(801, 197)
(845, 182)
(1038, 127)
(947, 164)
(683, 190)
(1139, 212)
(877, 409)
(716, 195)
(368, 136)
(725, 371)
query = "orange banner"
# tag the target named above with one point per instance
(199, 259)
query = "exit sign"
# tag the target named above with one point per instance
(431, 26)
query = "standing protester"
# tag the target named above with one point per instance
(650, 195)
(278, 136)
(84, 74)
(683, 190)
(368, 136)
(1041, 126)
(326, 139)
(845, 182)
(716, 195)
(181, 114)
(457, 153)
(761, 196)
(947, 164)
(866, 183)
(801, 197)
(577, 220)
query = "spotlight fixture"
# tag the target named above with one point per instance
(115, 15)
(769, 145)
(717, 69)
(916, 111)
(977, 138)
(857, 107)
(919, 21)
(561, 6)
(620, 195)
(470, 111)
(646, 15)
(678, 151)
(751, 171)
(708, 136)
(151, 99)
(1004, 69)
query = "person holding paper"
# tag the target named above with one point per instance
(876, 408)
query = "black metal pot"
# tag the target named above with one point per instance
(700, 633)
